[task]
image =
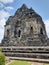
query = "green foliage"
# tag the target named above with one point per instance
(2, 59)
(20, 63)
(0, 49)
(46, 64)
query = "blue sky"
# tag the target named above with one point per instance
(9, 7)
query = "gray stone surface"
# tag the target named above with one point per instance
(25, 28)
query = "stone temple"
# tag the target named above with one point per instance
(25, 28)
(25, 36)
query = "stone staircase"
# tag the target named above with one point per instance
(27, 52)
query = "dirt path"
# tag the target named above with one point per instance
(9, 62)
(35, 63)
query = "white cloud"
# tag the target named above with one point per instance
(2, 23)
(47, 26)
(3, 14)
(6, 1)
(9, 8)
(1, 5)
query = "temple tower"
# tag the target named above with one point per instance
(25, 28)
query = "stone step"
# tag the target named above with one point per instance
(28, 55)
(29, 59)
(27, 51)
(42, 54)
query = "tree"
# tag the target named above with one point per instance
(2, 58)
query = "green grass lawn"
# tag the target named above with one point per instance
(16, 62)
(46, 64)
